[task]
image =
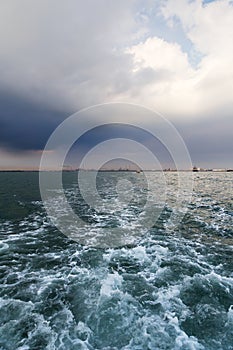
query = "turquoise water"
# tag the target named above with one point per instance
(172, 290)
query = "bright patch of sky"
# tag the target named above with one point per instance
(171, 31)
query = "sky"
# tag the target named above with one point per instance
(172, 56)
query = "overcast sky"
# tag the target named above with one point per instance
(173, 56)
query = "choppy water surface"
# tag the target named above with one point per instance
(173, 290)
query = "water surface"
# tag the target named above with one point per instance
(173, 290)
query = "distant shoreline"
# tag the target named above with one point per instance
(117, 171)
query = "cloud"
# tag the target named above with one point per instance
(64, 54)
(25, 124)
(209, 28)
(172, 86)
(73, 55)
(189, 92)
(57, 57)
(29, 160)
(209, 140)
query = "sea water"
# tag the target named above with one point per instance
(173, 289)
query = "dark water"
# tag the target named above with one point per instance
(174, 290)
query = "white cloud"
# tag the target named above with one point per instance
(160, 55)
(173, 77)
(208, 26)
(184, 91)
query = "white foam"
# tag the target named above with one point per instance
(111, 284)
(3, 247)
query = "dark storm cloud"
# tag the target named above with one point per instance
(56, 57)
(25, 125)
(65, 53)
(209, 140)
(203, 138)
(112, 131)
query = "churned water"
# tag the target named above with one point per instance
(173, 290)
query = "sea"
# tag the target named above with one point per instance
(171, 289)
